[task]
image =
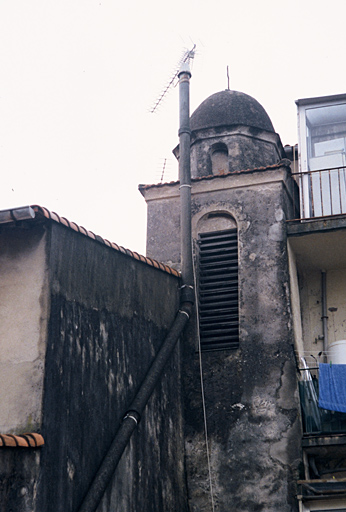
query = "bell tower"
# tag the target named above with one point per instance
(231, 131)
(240, 342)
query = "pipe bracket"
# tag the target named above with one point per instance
(133, 415)
(184, 130)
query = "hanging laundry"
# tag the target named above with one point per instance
(332, 387)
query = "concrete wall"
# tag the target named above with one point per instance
(311, 312)
(250, 393)
(23, 327)
(311, 309)
(318, 246)
(108, 316)
(24, 308)
(19, 476)
(336, 299)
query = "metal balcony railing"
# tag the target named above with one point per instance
(322, 193)
(315, 419)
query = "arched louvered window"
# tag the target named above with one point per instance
(218, 289)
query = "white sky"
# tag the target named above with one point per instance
(78, 77)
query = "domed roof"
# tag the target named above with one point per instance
(230, 108)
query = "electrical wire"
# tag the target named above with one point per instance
(203, 399)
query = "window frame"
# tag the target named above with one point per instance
(218, 300)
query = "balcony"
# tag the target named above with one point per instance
(322, 156)
(322, 192)
(316, 420)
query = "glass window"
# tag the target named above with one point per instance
(326, 136)
(322, 151)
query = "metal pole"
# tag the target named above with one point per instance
(188, 294)
(133, 415)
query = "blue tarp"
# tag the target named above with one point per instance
(332, 387)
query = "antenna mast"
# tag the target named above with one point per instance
(186, 57)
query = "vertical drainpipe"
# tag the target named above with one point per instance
(103, 477)
(184, 75)
(324, 314)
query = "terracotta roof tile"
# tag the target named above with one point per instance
(74, 226)
(283, 163)
(64, 222)
(82, 230)
(91, 235)
(41, 212)
(31, 440)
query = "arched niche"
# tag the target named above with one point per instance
(219, 158)
(216, 221)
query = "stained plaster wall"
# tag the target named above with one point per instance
(24, 309)
(23, 327)
(311, 312)
(109, 316)
(19, 475)
(83, 323)
(311, 307)
(250, 393)
(336, 298)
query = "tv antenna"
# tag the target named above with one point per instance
(187, 56)
(163, 170)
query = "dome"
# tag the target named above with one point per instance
(230, 108)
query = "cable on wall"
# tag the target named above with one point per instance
(203, 401)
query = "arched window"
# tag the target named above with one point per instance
(219, 158)
(218, 282)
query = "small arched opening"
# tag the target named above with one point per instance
(219, 158)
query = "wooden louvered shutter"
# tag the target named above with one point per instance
(218, 290)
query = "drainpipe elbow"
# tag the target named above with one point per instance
(187, 294)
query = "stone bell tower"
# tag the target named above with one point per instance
(230, 132)
(241, 339)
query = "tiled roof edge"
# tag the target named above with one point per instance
(36, 211)
(72, 225)
(31, 440)
(283, 163)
